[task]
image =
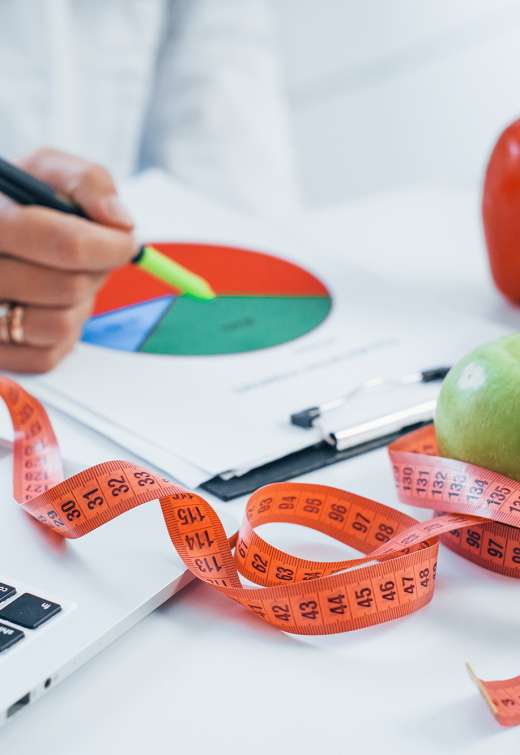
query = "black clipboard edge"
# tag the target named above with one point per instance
(301, 462)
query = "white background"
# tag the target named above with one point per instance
(388, 93)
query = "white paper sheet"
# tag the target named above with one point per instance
(177, 468)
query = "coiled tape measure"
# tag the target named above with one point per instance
(476, 514)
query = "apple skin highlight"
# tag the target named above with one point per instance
(477, 418)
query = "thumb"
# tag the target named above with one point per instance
(87, 184)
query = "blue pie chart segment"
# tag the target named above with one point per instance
(126, 328)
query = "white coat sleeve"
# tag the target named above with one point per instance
(217, 118)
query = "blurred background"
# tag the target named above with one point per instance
(385, 95)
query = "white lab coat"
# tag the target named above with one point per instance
(191, 86)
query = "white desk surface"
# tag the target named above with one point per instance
(400, 687)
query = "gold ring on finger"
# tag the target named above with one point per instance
(15, 318)
(4, 322)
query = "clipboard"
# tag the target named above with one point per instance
(335, 447)
(339, 445)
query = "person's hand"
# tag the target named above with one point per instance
(52, 263)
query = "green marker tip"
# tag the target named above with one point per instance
(174, 274)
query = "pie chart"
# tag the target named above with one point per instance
(261, 301)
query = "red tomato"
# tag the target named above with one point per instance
(501, 212)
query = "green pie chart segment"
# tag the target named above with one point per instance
(230, 324)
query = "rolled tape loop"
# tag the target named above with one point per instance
(476, 513)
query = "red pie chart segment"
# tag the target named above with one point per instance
(228, 270)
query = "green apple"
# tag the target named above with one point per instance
(478, 412)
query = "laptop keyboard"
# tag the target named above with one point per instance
(9, 636)
(6, 591)
(27, 610)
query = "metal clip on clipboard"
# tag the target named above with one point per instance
(307, 418)
(338, 445)
(390, 424)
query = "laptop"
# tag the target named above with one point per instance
(62, 601)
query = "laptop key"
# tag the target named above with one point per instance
(6, 591)
(9, 636)
(29, 611)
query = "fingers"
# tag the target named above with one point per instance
(33, 284)
(53, 263)
(49, 334)
(87, 184)
(65, 242)
(45, 327)
(62, 241)
(32, 360)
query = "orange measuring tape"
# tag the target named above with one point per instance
(477, 514)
